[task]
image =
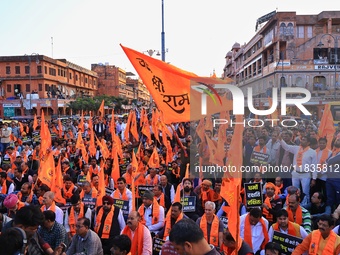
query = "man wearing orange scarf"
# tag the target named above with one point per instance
(76, 211)
(139, 235)
(6, 186)
(109, 222)
(161, 198)
(304, 162)
(171, 219)
(152, 178)
(298, 214)
(69, 188)
(205, 192)
(152, 214)
(229, 245)
(272, 203)
(322, 240)
(122, 192)
(211, 226)
(285, 226)
(49, 204)
(254, 229)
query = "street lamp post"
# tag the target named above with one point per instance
(320, 44)
(163, 33)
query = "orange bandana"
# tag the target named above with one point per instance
(68, 193)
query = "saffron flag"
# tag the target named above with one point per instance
(47, 170)
(60, 128)
(45, 135)
(81, 146)
(101, 109)
(326, 128)
(81, 123)
(101, 184)
(35, 122)
(92, 146)
(58, 184)
(170, 86)
(154, 159)
(115, 173)
(112, 123)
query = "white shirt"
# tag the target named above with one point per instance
(10, 189)
(322, 176)
(148, 219)
(256, 232)
(88, 215)
(59, 214)
(309, 159)
(129, 195)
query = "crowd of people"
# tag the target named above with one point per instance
(152, 202)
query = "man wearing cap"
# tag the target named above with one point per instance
(13, 204)
(77, 210)
(272, 203)
(152, 214)
(109, 222)
(205, 192)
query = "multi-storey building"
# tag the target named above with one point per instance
(31, 83)
(290, 50)
(114, 81)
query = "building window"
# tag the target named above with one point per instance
(39, 69)
(290, 29)
(52, 71)
(40, 87)
(300, 32)
(309, 31)
(58, 71)
(27, 69)
(28, 87)
(70, 76)
(85, 80)
(76, 77)
(45, 69)
(47, 87)
(17, 70)
(283, 29)
(9, 88)
(8, 70)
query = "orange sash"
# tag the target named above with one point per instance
(137, 240)
(94, 170)
(314, 244)
(4, 188)
(52, 207)
(118, 195)
(266, 213)
(107, 223)
(248, 235)
(94, 193)
(293, 229)
(155, 212)
(298, 215)
(213, 231)
(30, 197)
(68, 193)
(258, 149)
(168, 224)
(176, 172)
(161, 200)
(154, 181)
(300, 155)
(72, 219)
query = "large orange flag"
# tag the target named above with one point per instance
(231, 186)
(92, 145)
(112, 123)
(103, 148)
(169, 85)
(101, 109)
(35, 122)
(80, 145)
(58, 184)
(60, 128)
(45, 136)
(154, 159)
(133, 127)
(101, 184)
(326, 127)
(115, 173)
(47, 170)
(81, 123)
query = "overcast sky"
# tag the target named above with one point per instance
(198, 33)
